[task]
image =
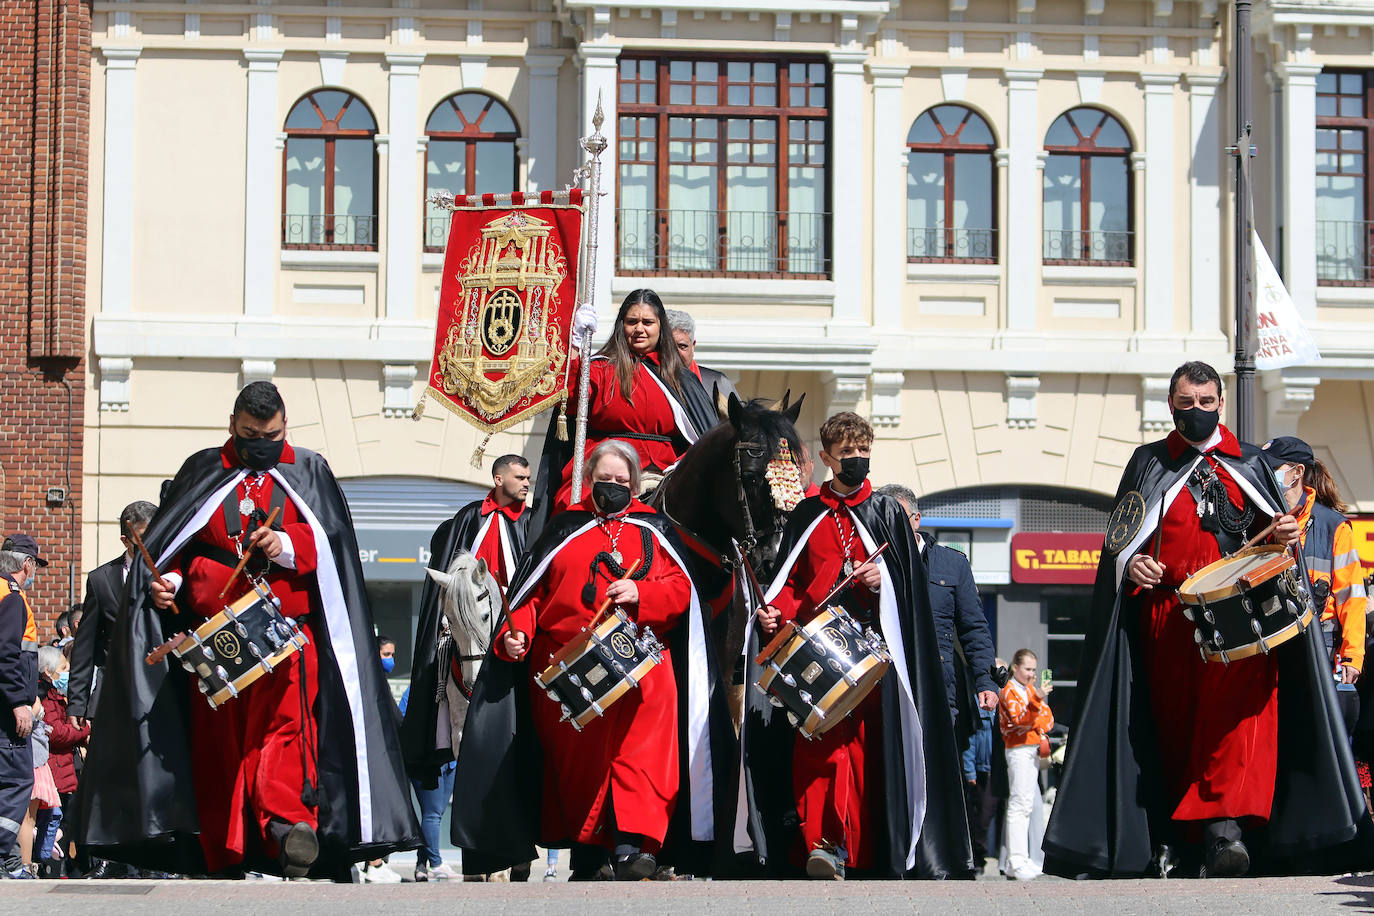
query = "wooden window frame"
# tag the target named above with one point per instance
(331, 132)
(781, 113)
(469, 136)
(950, 146)
(1366, 124)
(1086, 149)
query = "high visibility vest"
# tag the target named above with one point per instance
(30, 643)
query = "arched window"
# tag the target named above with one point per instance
(471, 150)
(330, 173)
(1088, 200)
(951, 187)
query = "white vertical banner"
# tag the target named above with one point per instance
(1283, 338)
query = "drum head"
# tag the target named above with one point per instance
(852, 697)
(1222, 575)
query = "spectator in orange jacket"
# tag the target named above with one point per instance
(1025, 719)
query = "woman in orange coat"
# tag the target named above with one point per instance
(1025, 719)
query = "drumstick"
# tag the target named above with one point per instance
(1159, 529)
(147, 558)
(165, 649)
(243, 560)
(1262, 535)
(849, 578)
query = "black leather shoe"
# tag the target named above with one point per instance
(635, 867)
(299, 847)
(1226, 859)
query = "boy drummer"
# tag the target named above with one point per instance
(880, 792)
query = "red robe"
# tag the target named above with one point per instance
(610, 415)
(490, 549)
(830, 773)
(250, 754)
(1217, 725)
(621, 771)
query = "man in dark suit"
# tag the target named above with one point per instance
(716, 383)
(104, 588)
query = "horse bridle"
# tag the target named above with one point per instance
(484, 594)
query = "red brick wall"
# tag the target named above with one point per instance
(45, 54)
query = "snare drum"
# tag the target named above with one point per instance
(820, 672)
(240, 644)
(598, 667)
(1247, 603)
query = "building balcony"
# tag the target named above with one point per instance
(329, 232)
(1345, 252)
(1095, 247)
(943, 245)
(763, 244)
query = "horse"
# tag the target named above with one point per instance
(468, 593)
(720, 496)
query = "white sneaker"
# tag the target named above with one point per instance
(381, 874)
(551, 874)
(444, 872)
(1026, 874)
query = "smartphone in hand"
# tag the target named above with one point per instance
(1046, 678)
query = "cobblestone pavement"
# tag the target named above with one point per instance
(1285, 896)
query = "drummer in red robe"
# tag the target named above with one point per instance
(613, 785)
(251, 763)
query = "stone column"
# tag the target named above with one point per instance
(542, 126)
(1204, 203)
(1300, 184)
(889, 196)
(599, 64)
(1025, 241)
(117, 206)
(402, 184)
(846, 183)
(1158, 208)
(262, 184)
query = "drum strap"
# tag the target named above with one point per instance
(1216, 512)
(233, 520)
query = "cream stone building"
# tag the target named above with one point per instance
(993, 227)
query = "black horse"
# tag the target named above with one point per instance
(719, 496)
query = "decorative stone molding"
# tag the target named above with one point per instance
(782, 26)
(1090, 86)
(398, 390)
(1154, 404)
(332, 67)
(1021, 392)
(954, 83)
(114, 382)
(844, 392)
(887, 398)
(1287, 398)
(667, 27)
(257, 370)
(472, 68)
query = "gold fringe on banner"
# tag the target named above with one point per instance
(419, 410)
(562, 429)
(481, 451)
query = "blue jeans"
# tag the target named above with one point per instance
(46, 824)
(432, 805)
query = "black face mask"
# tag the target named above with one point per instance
(1196, 424)
(259, 454)
(853, 470)
(610, 498)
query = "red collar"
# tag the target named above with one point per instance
(833, 499)
(230, 458)
(1177, 445)
(695, 370)
(512, 512)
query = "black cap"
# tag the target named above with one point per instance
(1283, 450)
(22, 543)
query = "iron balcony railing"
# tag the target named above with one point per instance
(436, 232)
(941, 243)
(1090, 246)
(1345, 252)
(328, 230)
(759, 242)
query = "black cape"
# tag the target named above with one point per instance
(695, 403)
(942, 849)
(137, 799)
(1110, 813)
(423, 759)
(497, 785)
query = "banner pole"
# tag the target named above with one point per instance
(595, 145)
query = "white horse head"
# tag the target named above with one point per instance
(468, 594)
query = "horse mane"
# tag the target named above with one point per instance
(461, 594)
(757, 413)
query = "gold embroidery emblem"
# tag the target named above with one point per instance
(509, 286)
(836, 639)
(1125, 522)
(226, 645)
(623, 645)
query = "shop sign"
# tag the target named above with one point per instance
(1055, 559)
(1364, 540)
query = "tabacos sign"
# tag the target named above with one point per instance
(1055, 559)
(1364, 540)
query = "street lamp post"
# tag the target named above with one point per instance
(1243, 152)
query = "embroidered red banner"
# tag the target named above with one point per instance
(506, 306)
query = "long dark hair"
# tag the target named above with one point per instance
(1322, 483)
(617, 348)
